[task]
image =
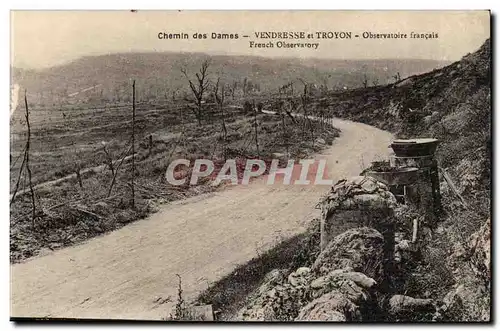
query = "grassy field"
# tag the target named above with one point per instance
(64, 140)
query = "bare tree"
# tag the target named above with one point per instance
(233, 89)
(219, 98)
(397, 77)
(288, 88)
(365, 81)
(108, 159)
(324, 83)
(133, 144)
(285, 138)
(198, 89)
(26, 165)
(255, 129)
(305, 98)
(245, 86)
(287, 108)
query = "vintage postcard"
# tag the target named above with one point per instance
(250, 166)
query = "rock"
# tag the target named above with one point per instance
(321, 141)
(406, 305)
(369, 201)
(284, 301)
(427, 120)
(271, 279)
(333, 306)
(403, 250)
(467, 302)
(359, 249)
(440, 229)
(303, 271)
(458, 251)
(264, 313)
(332, 289)
(353, 285)
(278, 155)
(453, 305)
(403, 245)
(280, 302)
(360, 279)
(299, 277)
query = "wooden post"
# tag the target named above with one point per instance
(79, 177)
(150, 143)
(285, 142)
(28, 169)
(255, 126)
(436, 191)
(224, 133)
(133, 143)
(181, 136)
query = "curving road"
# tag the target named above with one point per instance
(126, 274)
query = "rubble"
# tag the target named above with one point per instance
(359, 249)
(333, 307)
(359, 192)
(348, 278)
(281, 301)
(333, 289)
(403, 305)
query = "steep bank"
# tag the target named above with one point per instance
(454, 105)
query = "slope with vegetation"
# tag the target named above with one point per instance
(452, 104)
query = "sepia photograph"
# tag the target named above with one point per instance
(250, 166)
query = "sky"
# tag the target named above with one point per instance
(41, 39)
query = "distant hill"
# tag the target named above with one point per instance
(107, 77)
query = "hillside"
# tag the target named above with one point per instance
(107, 78)
(454, 105)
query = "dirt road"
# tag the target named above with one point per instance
(127, 273)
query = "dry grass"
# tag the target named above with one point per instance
(68, 213)
(229, 294)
